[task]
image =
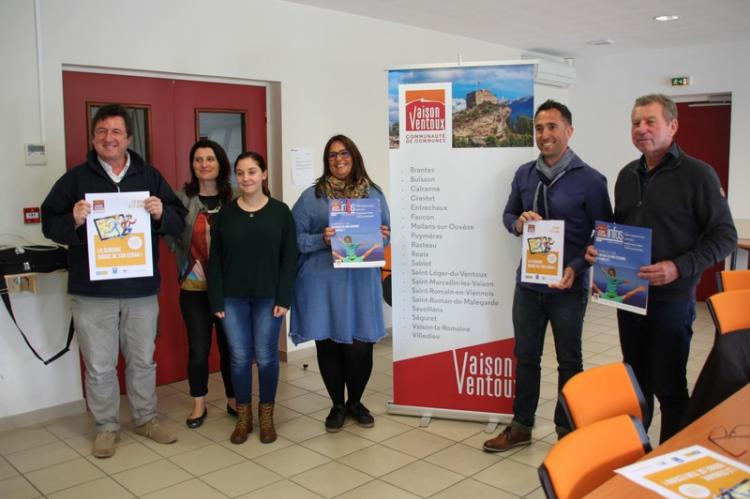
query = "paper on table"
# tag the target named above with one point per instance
(302, 167)
(690, 472)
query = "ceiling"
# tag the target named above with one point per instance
(562, 28)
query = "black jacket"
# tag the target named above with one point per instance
(684, 205)
(90, 177)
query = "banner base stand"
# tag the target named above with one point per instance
(427, 413)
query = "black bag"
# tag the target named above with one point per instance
(28, 259)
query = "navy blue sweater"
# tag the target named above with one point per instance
(90, 177)
(579, 197)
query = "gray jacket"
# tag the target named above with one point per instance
(180, 245)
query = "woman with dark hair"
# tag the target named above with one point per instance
(251, 273)
(203, 195)
(341, 309)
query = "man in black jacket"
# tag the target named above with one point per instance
(680, 198)
(121, 314)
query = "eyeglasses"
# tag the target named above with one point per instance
(102, 132)
(735, 442)
(343, 154)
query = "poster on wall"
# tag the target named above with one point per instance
(621, 251)
(358, 242)
(456, 136)
(119, 236)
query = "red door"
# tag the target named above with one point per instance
(703, 132)
(170, 116)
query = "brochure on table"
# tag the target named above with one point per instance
(119, 236)
(691, 472)
(542, 251)
(358, 242)
(621, 251)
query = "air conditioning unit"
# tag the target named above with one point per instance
(555, 74)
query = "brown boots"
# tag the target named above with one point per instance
(244, 424)
(265, 420)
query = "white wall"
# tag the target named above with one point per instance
(329, 68)
(606, 87)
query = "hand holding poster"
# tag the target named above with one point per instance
(119, 236)
(542, 251)
(621, 251)
(358, 242)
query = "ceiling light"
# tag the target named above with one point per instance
(603, 41)
(666, 18)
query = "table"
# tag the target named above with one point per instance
(731, 412)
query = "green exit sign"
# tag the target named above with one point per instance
(680, 81)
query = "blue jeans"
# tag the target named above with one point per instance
(657, 346)
(532, 311)
(252, 332)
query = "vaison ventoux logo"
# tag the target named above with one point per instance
(425, 110)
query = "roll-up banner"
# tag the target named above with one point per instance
(457, 134)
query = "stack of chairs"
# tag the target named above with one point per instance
(727, 367)
(605, 407)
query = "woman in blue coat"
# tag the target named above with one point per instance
(341, 309)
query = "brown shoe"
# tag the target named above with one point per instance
(244, 424)
(104, 444)
(510, 437)
(265, 421)
(156, 432)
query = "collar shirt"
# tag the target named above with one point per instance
(110, 172)
(644, 174)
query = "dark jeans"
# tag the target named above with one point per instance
(253, 333)
(532, 311)
(199, 321)
(344, 365)
(657, 347)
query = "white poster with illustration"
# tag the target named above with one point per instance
(119, 236)
(542, 251)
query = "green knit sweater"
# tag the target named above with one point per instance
(253, 255)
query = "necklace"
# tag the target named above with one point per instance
(251, 210)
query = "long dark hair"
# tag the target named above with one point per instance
(258, 158)
(192, 187)
(358, 165)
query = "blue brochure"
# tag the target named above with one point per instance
(358, 242)
(621, 251)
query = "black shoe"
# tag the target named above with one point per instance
(361, 414)
(335, 419)
(194, 423)
(232, 412)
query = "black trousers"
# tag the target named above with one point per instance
(342, 365)
(199, 322)
(657, 347)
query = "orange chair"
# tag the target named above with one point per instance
(732, 280)
(730, 310)
(600, 393)
(587, 457)
(385, 277)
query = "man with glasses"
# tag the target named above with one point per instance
(121, 314)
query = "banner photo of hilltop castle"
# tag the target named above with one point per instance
(492, 106)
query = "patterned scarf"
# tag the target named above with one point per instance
(340, 189)
(547, 177)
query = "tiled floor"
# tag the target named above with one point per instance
(395, 459)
